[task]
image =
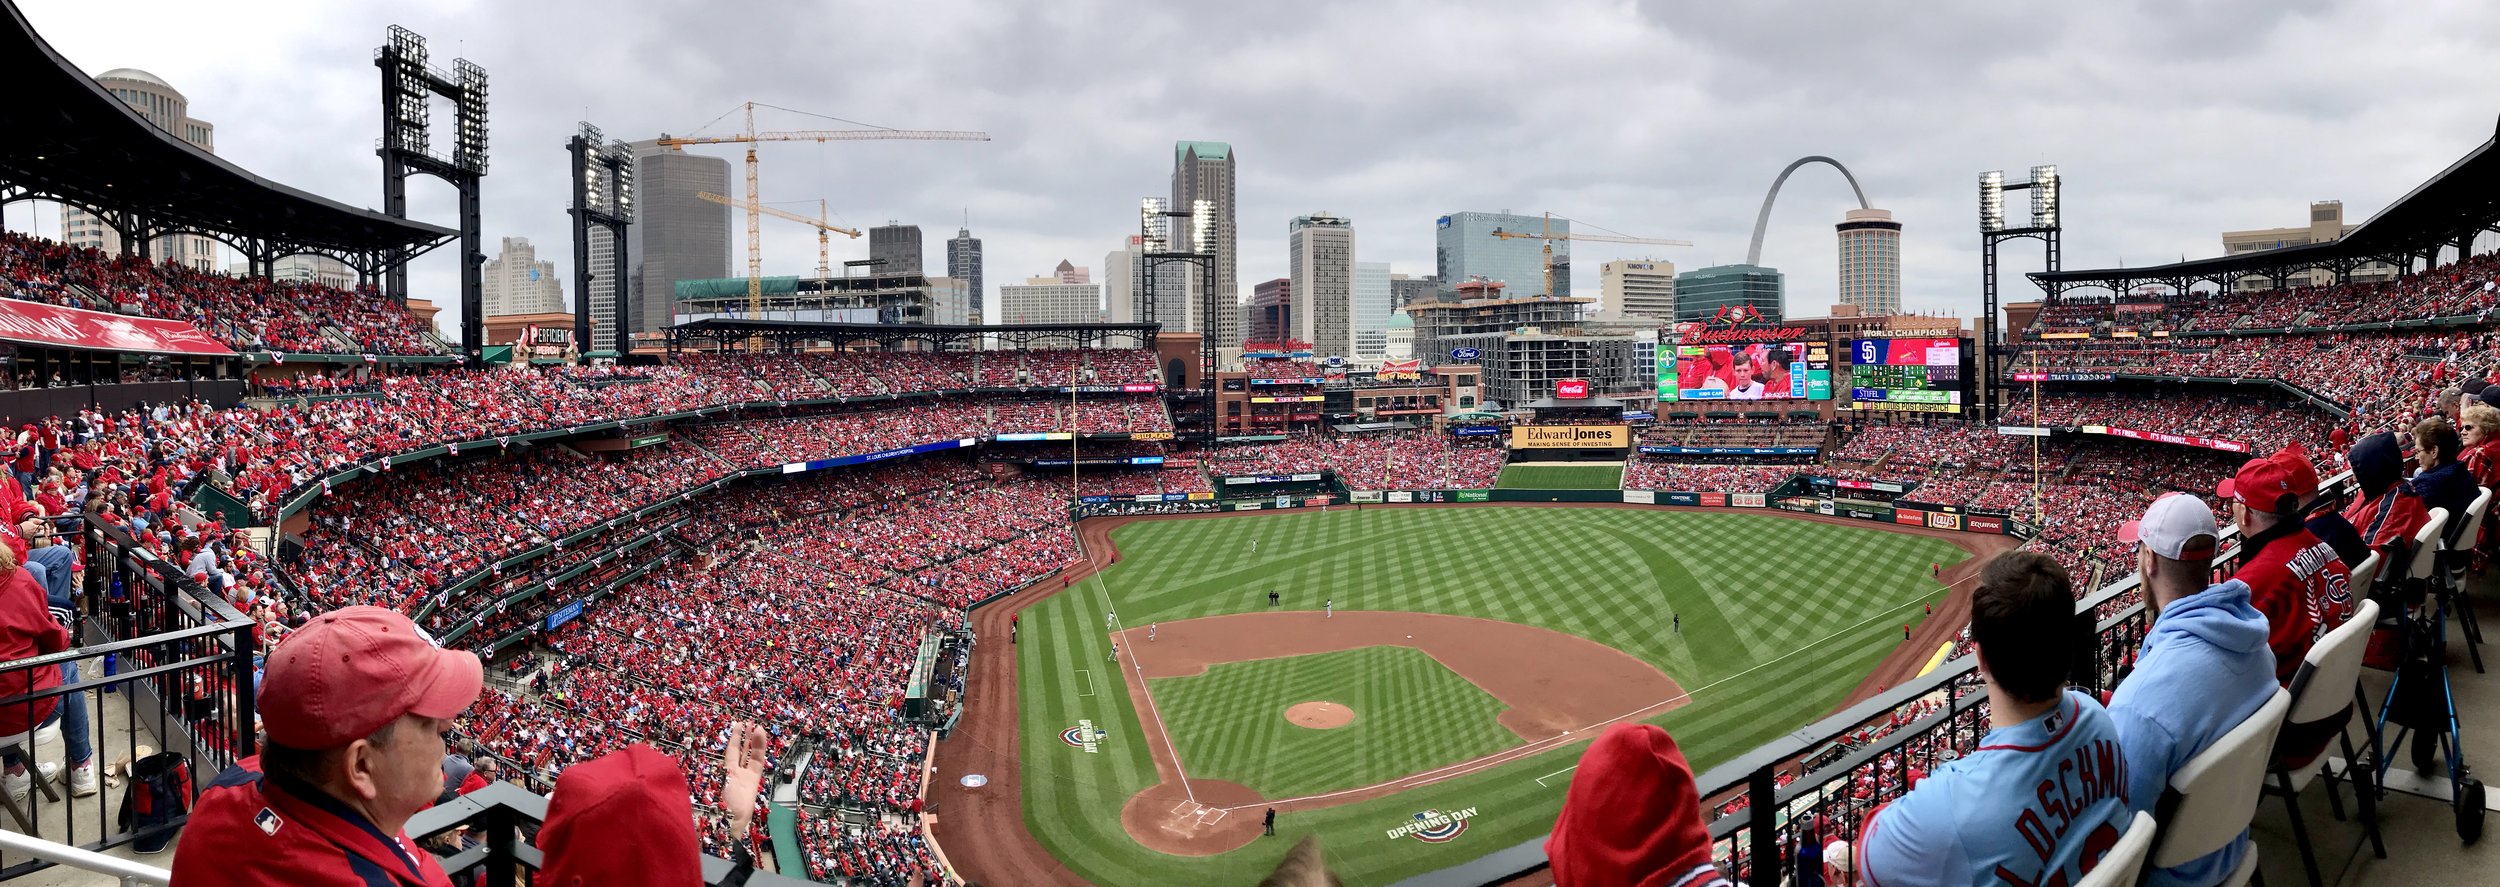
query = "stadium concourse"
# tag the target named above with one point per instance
(807, 606)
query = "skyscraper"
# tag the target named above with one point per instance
(675, 235)
(1638, 288)
(159, 103)
(1464, 247)
(1870, 261)
(1050, 300)
(1321, 253)
(1405, 290)
(519, 282)
(1371, 309)
(896, 246)
(1700, 294)
(1205, 171)
(602, 296)
(1071, 272)
(1270, 317)
(963, 263)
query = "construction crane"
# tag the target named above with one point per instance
(824, 228)
(755, 200)
(1549, 237)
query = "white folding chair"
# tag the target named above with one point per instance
(2123, 864)
(2365, 573)
(25, 744)
(2325, 692)
(2457, 570)
(2426, 546)
(2213, 797)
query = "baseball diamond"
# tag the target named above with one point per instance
(1479, 645)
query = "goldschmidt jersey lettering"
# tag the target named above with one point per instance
(2035, 806)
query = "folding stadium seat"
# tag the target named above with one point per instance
(2456, 563)
(2123, 864)
(2213, 797)
(2328, 688)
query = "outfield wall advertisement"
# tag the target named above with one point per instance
(1570, 437)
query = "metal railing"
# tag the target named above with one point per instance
(130, 874)
(178, 657)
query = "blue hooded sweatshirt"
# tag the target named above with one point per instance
(2204, 668)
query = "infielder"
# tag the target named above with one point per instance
(1150, 630)
(1110, 620)
(1115, 651)
(1331, 606)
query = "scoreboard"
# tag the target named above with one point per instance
(1915, 375)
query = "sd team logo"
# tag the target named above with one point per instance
(1085, 736)
(1435, 826)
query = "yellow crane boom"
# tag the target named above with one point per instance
(1549, 237)
(824, 247)
(755, 200)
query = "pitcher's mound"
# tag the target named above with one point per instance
(1319, 715)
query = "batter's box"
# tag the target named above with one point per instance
(1190, 816)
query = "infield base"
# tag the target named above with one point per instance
(1192, 820)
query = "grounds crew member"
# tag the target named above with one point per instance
(354, 705)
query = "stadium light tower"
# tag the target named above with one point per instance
(407, 150)
(1992, 231)
(1154, 222)
(603, 197)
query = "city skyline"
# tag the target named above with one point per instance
(1728, 95)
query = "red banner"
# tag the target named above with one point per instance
(1714, 500)
(2210, 443)
(40, 324)
(1912, 518)
(1980, 524)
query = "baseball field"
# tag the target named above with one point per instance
(1422, 685)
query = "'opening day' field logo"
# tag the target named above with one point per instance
(1084, 736)
(1435, 826)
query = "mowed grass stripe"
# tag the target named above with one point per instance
(1230, 722)
(1560, 477)
(1752, 589)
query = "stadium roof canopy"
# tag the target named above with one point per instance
(720, 331)
(2446, 211)
(71, 141)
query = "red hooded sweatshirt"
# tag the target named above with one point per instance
(1632, 817)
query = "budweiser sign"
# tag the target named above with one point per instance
(1740, 335)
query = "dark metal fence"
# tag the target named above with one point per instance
(179, 658)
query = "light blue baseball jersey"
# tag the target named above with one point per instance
(2036, 805)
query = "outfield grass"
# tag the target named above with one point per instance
(1780, 619)
(1560, 477)
(1229, 723)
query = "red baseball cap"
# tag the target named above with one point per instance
(2286, 472)
(354, 670)
(620, 818)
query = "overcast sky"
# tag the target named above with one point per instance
(2170, 121)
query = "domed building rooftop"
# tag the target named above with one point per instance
(1399, 321)
(138, 75)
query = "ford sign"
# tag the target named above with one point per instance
(1464, 355)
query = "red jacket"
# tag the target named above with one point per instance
(2304, 590)
(27, 629)
(248, 829)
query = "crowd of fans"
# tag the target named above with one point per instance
(245, 313)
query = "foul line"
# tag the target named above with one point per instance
(1140, 665)
(1549, 743)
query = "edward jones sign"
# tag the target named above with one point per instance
(1570, 437)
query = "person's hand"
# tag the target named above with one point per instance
(743, 762)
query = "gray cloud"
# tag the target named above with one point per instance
(2172, 122)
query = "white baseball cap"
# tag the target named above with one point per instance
(2177, 526)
